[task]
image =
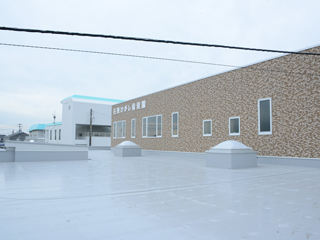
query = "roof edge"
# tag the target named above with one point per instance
(94, 98)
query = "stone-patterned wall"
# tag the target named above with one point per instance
(295, 109)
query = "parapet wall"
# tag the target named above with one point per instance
(26, 151)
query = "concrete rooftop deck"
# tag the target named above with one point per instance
(152, 197)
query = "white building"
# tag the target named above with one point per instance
(75, 126)
(53, 133)
(37, 132)
(45, 132)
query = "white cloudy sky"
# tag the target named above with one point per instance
(34, 81)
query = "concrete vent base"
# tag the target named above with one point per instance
(231, 155)
(127, 149)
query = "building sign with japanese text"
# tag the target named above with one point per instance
(128, 108)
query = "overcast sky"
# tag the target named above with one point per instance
(34, 81)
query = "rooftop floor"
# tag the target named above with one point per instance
(153, 197)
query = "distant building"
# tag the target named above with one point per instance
(2, 137)
(75, 126)
(17, 136)
(37, 132)
(53, 133)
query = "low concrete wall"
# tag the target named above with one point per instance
(289, 161)
(95, 141)
(36, 156)
(7, 155)
(99, 148)
(26, 151)
(200, 156)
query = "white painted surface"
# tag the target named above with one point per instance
(230, 144)
(29, 146)
(101, 141)
(152, 197)
(55, 134)
(79, 113)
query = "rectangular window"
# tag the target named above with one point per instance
(152, 126)
(55, 134)
(144, 127)
(123, 129)
(264, 116)
(50, 134)
(175, 124)
(133, 128)
(207, 127)
(234, 126)
(119, 129)
(159, 126)
(59, 134)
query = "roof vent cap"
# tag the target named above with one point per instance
(231, 144)
(127, 143)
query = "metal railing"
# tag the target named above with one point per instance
(94, 134)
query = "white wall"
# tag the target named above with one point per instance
(53, 129)
(68, 128)
(77, 111)
(101, 113)
(37, 134)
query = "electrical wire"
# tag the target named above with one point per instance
(149, 40)
(154, 58)
(115, 54)
(8, 127)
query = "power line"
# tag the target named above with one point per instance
(155, 58)
(8, 127)
(116, 54)
(149, 40)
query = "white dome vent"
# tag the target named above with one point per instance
(127, 143)
(231, 144)
(127, 149)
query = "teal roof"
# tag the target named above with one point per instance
(95, 98)
(37, 127)
(51, 124)
(42, 126)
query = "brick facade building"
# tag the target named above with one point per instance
(272, 106)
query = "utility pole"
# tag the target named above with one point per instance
(54, 125)
(20, 126)
(90, 128)
(54, 117)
